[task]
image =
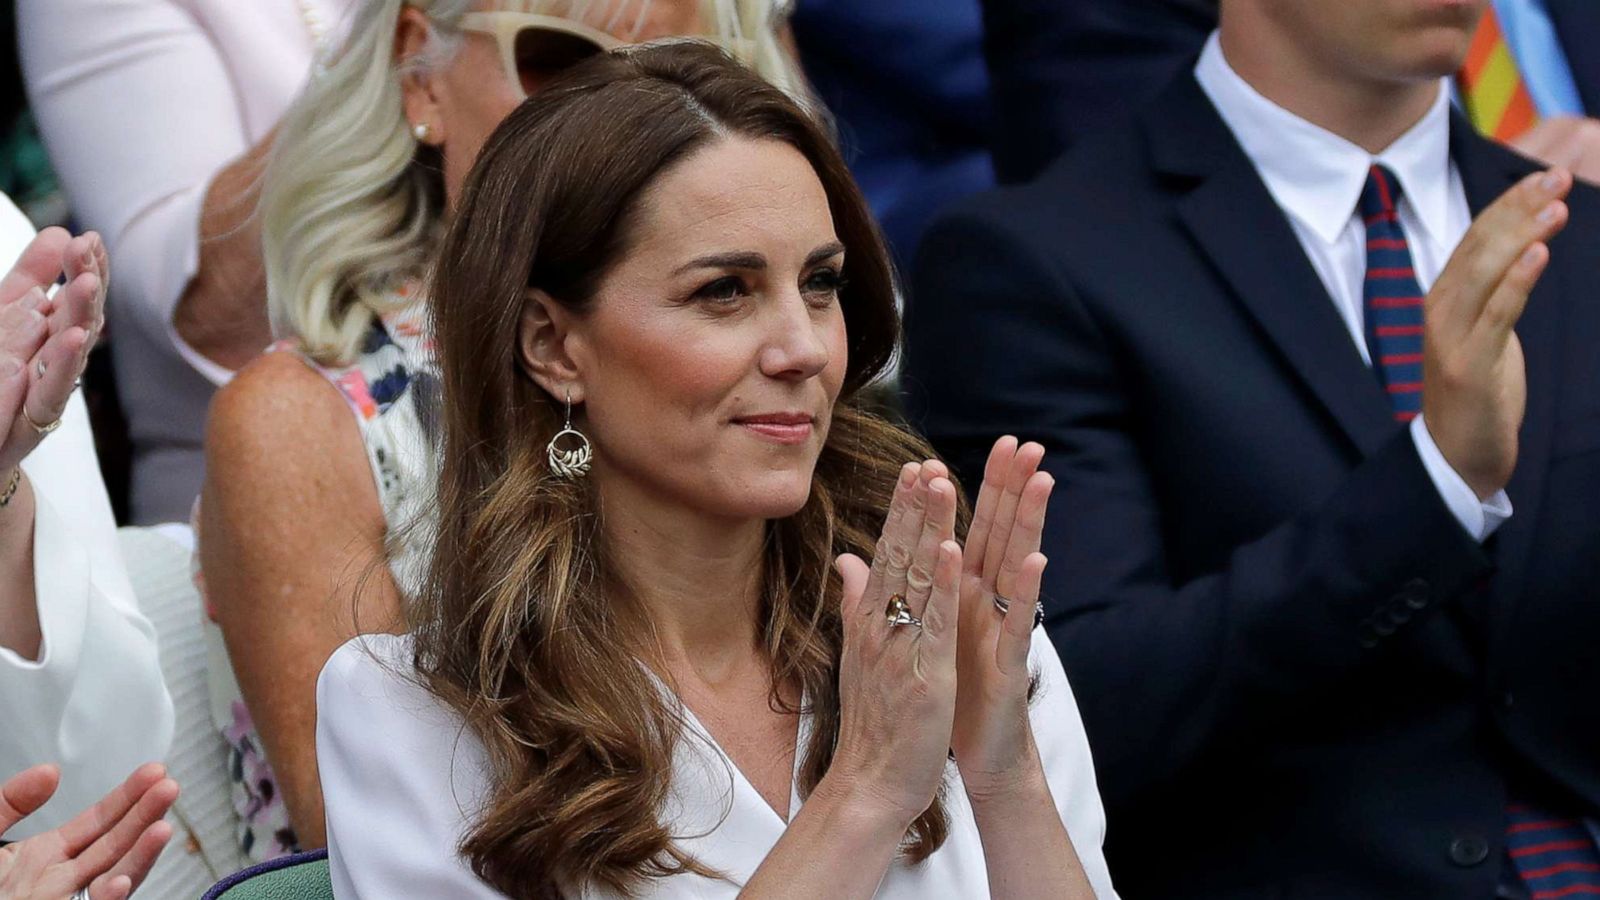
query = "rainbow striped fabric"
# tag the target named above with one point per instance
(1497, 101)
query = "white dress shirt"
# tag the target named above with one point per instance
(94, 701)
(401, 779)
(141, 103)
(1316, 177)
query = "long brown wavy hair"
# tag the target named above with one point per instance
(515, 628)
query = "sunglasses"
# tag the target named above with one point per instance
(534, 47)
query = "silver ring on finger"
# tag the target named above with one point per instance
(1003, 605)
(898, 613)
(38, 367)
(80, 894)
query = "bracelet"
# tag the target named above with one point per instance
(11, 487)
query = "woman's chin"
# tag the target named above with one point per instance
(770, 497)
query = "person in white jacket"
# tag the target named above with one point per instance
(80, 683)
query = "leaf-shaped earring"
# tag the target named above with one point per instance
(572, 463)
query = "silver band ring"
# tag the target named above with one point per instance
(39, 367)
(81, 894)
(1003, 604)
(898, 613)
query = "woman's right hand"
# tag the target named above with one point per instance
(45, 340)
(897, 684)
(107, 850)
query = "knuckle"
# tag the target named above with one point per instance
(920, 577)
(898, 559)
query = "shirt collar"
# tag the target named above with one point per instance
(1315, 175)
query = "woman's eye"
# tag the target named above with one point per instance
(723, 290)
(823, 284)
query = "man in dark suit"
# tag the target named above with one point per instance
(1324, 646)
(1063, 69)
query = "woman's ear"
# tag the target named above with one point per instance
(542, 335)
(418, 94)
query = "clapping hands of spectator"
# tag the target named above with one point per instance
(45, 339)
(103, 854)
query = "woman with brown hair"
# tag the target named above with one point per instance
(649, 658)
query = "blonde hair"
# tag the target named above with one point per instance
(351, 203)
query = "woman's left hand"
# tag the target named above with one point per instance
(993, 737)
(106, 851)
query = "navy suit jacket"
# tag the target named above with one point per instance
(1299, 675)
(1061, 69)
(1577, 24)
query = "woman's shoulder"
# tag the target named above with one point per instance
(278, 397)
(371, 683)
(369, 667)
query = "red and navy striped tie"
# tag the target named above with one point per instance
(1554, 857)
(1393, 299)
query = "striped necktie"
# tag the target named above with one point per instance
(1497, 101)
(1554, 857)
(1392, 298)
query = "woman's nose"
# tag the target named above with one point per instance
(795, 346)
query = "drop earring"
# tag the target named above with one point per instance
(572, 464)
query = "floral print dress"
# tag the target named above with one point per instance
(392, 390)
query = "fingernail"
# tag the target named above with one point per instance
(908, 476)
(9, 367)
(1550, 180)
(1549, 214)
(1530, 256)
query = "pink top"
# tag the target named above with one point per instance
(141, 103)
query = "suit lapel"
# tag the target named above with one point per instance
(1487, 170)
(1577, 25)
(1247, 238)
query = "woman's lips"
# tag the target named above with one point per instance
(783, 428)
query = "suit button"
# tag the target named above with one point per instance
(1417, 600)
(1400, 615)
(1384, 629)
(1468, 851)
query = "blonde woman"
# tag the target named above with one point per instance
(317, 456)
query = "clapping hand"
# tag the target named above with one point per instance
(105, 852)
(897, 682)
(1474, 378)
(993, 737)
(45, 340)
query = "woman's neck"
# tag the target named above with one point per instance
(695, 578)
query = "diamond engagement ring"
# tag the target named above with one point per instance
(899, 613)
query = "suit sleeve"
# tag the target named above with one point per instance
(1165, 672)
(1059, 69)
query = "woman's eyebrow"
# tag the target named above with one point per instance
(826, 251)
(736, 260)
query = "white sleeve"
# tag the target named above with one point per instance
(1068, 765)
(401, 779)
(94, 701)
(139, 114)
(1479, 518)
